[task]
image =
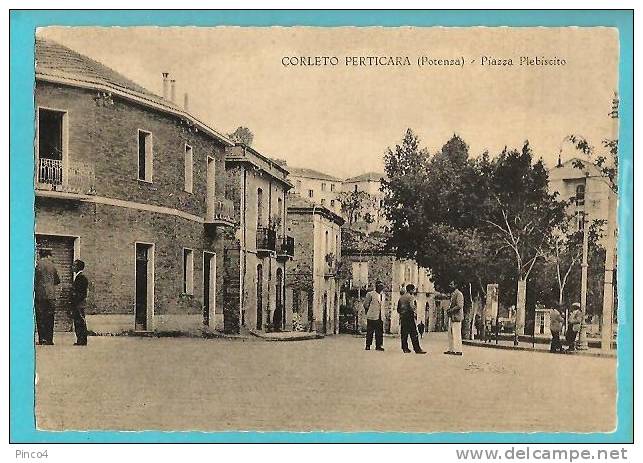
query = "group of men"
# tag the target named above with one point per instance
(574, 323)
(374, 305)
(46, 285)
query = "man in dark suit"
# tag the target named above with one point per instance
(78, 302)
(406, 308)
(46, 280)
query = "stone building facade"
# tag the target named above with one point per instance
(258, 187)
(317, 187)
(312, 277)
(133, 185)
(372, 217)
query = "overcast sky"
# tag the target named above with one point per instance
(341, 119)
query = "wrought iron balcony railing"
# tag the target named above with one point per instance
(221, 213)
(266, 239)
(55, 175)
(286, 246)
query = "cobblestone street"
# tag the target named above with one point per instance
(126, 383)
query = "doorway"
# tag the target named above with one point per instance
(209, 286)
(259, 296)
(144, 282)
(325, 314)
(279, 299)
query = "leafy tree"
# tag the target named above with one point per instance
(353, 203)
(522, 215)
(242, 135)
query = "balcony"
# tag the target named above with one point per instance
(330, 265)
(64, 179)
(266, 240)
(286, 248)
(221, 214)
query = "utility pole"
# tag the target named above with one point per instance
(583, 281)
(610, 242)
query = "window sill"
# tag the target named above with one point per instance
(149, 182)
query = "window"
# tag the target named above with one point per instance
(51, 145)
(332, 203)
(188, 168)
(580, 195)
(188, 271)
(310, 193)
(145, 156)
(298, 185)
(259, 207)
(332, 187)
(323, 202)
(580, 222)
(355, 188)
(323, 186)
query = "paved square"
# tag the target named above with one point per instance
(332, 384)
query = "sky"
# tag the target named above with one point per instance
(341, 119)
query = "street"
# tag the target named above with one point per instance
(331, 384)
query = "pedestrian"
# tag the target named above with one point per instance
(78, 302)
(555, 326)
(374, 305)
(573, 326)
(46, 280)
(479, 326)
(456, 314)
(408, 315)
(421, 328)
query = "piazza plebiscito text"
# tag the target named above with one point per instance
(421, 61)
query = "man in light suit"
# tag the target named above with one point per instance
(456, 314)
(374, 307)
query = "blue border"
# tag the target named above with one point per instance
(23, 24)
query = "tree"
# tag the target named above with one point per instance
(242, 135)
(353, 204)
(522, 215)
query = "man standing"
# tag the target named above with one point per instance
(573, 326)
(46, 280)
(555, 325)
(456, 314)
(374, 305)
(406, 308)
(78, 302)
(421, 328)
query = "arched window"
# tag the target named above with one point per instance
(259, 207)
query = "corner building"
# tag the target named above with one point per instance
(132, 184)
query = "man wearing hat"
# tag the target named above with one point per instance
(573, 326)
(406, 307)
(374, 307)
(45, 283)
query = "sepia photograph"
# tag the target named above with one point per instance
(326, 229)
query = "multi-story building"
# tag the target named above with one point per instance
(588, 188)
(258, 187)
(133, 185)
(371, 218)
(317, 187)
(312, 277)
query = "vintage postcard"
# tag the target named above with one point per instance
(328, 229)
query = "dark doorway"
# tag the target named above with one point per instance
(325, 314)
(259, 296)
(209, 275)
(144, 279)
(280, 317)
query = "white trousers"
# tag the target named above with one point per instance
(455, 336)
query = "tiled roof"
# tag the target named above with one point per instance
(367, 177)
(310, 173)
(55, 61)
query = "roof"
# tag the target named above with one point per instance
(310, 173)
(57, 63)
(367, 177)
(297, 203)
(242, 153)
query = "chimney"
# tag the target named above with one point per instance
(185, 101)
(173, 90)
(165, 85)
